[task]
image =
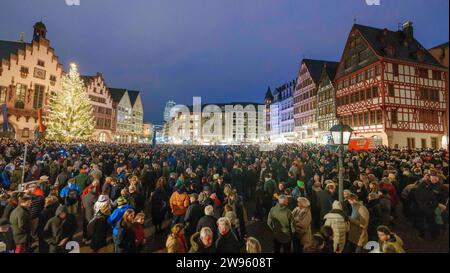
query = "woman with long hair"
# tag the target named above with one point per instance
(125, 242)
(159, 204)
(176, 242)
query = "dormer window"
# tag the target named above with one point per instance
(420, 55)
(390, 51)
(41, 63)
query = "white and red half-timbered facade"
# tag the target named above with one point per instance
(389, 87)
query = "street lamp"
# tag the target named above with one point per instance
(340, 135)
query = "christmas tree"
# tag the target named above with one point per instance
(69, 116)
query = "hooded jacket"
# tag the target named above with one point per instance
(393, 245)
(198, 247)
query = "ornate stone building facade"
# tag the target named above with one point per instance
(29, 73)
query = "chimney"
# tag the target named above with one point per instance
(21, 37)
(408, 31)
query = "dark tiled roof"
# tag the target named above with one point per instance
(277, 92)
(117, 94)
(378, 41)
(332, 69)
(9, 47)
(133, 96)
(268, 94)
(315, 68)
(440, 46)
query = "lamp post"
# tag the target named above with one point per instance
(341, 134)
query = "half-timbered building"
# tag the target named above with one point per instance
(389, 87)
(305, 99)
(326, 102)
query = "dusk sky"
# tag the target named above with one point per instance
(221, 50)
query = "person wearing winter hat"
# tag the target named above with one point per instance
(388, 241)
(102, 201)
(299, 190)
(117, 214)
(59, 230)
(97, 228)
(339, 222)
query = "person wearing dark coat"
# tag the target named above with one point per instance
(238, 207)
(21, 224)
(374, 208)
(146, 180)
(425, 199)
(237, 179)
(346, 206)
(136, 199)
(385, 207)
(360, 190)
(88, 205)
(158, 205)
(10, 206)
(98, 229)
(53, 231)
(51, 204)
(60, 229)
(208, 220)
(227, 242)
(6, 236)
(193, 214)
(325, 200)
(37, 205)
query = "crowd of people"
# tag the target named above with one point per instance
(202, 198)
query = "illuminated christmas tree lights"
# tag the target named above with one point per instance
(70, 116)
